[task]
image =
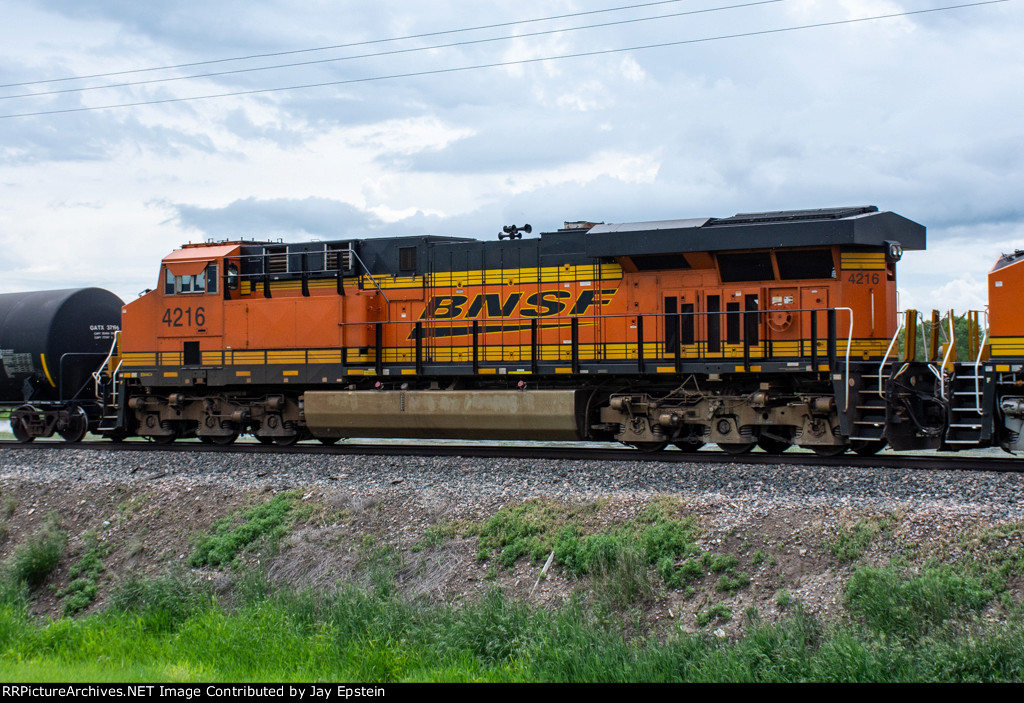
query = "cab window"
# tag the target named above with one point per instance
(203, 282)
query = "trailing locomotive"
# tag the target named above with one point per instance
(769, 329)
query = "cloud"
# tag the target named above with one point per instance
(917, 115)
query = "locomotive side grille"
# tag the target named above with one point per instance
(277, 259)
(332, 255)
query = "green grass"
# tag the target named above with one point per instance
(175, 629)
(621, 558)
(34, 559)
(85, 575)
(901, 603)
(264, 523)
(849, 545)
(719, 611)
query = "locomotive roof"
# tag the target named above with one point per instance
(864, 226)
(579, 243)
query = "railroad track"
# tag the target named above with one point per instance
(947, 462)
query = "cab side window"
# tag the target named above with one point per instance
(203, 282)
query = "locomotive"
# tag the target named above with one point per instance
(772, 329)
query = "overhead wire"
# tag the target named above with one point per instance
(518, 62)
(349, 45)
(393, 52)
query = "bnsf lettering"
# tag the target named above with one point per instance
(495, 308)
(445, 307)
(542, 304)
(546, 303)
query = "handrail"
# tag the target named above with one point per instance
(950, 347)
(98, 373)
(902, 316)
(524, 325)
(849, 345)
(977, 369)
(369, 275)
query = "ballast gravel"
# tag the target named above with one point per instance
(746, 490)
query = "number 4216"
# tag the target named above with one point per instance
(183, 317)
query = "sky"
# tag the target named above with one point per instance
(918, 114)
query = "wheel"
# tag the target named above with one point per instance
(868, 447)
(164, 438)
(830, 450)
(17, 425)
(264, 440)
(689, 446)
(649, 447)
(286, 441)
(205, 439)
(78, 425)
(19, 430)
(737, 448)
(223, 440)
(328, 441)
(771, 445)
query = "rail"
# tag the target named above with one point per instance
(849, 346)
(977, 369)
(624, 343)
(885, 359)
(97, 375)
(940, 373)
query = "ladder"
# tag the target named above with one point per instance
(966, 414)
(869, 416)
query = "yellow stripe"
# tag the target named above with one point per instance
(324, 357)
(546, 274)
(42, 358)
(286, 357)
(290, 373)
(862, 260)
(408, 372)
(563, 369)
(1003, 367)
(140, 359)
(243, 373)
(170, 374)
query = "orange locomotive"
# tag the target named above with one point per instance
(768, 329)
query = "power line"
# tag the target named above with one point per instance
(390, 53)
(600, 52)
(341, 46)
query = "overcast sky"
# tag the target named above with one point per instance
(918, 114)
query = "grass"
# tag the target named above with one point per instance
(898, 602)
(85, 575)
(175, 629)
(620, 558)
(849, 545)
(265, 523)
(34, 560)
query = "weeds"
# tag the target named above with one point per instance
(173, 629)
(85, 575)
(267, 522)
(37, 557)
(895, 602)
(719, 611)
(851, 544)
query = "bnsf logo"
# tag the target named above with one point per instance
(542, 304)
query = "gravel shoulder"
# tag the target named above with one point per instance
(781, 522)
